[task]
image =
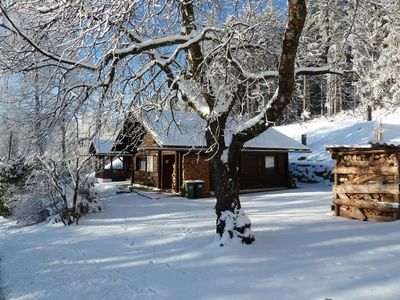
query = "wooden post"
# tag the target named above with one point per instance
(336, 181)
(304, 139)
(133, 168)
(180, 168)
(369, 113)
(102, 167)
(159, 168)
(396, 181)
(176, 172)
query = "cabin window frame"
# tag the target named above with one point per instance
(145, 163)
(270, 164)
(149, 164)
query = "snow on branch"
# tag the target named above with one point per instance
(319, 70)
(259, 119)
(158, 42)
(48, 54)
(268, 74)
(188, 95)
(48, 9)
(254, 75)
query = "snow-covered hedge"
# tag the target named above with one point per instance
(311, 172)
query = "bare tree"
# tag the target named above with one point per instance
(220, 58)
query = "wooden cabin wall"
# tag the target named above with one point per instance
(197, 167)
(151, 179)
(143, 177)
(254, 174)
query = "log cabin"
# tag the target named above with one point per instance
(172, 149)
(110, 163)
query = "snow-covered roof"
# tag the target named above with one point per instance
(117, 164)
(366, 146)
(370, 145)
(102, 146)
(184, 129)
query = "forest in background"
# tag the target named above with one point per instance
(72, 72)
(360, 37)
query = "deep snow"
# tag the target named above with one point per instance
(140, 248)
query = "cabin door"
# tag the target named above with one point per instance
(168, 169)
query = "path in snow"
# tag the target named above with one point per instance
(164, 249)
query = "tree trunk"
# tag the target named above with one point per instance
(10, 146)
(38, 124)
(231, 220)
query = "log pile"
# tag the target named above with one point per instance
(366, 183)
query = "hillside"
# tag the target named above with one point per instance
(347, 128)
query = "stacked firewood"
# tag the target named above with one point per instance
(174, 179)
(196, 167)
(366, 184)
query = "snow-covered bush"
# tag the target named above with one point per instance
(71, 193)
(13, 174)
(15, 171)
(89, 199)
(87, 202)
(30, 206)
(311, 172)
(29, 201)
(234, 225)
(35, 193)
(5, 209)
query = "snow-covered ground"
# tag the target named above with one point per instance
(139, 248)
(347, 128)
(344, 129)
(165, 248)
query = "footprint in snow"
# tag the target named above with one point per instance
(185, 230)
(370, 268)
(326, 277)
(299, 278)
(153, 291)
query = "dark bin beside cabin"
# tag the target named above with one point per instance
(199, 189)
(190, 189)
